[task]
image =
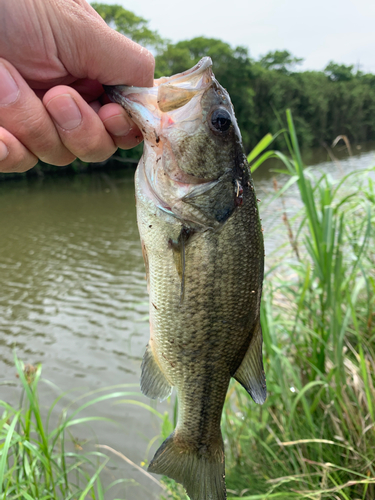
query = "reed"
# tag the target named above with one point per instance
(41, 461)
(315, 435)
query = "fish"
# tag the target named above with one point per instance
(203, 249)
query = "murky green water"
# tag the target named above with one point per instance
(73, 296)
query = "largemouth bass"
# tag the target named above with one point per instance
(203, 250)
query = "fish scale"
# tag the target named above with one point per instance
(204, 259)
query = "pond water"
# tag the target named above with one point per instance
(73, 297)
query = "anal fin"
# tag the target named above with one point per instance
(250, 373)
(153, 382)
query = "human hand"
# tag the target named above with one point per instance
(54, 56)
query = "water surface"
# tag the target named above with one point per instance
(73, 296)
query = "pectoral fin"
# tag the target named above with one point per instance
(209, 204)
(193, 216)
(145, 259)
(178, 248)
(200, 189)
(153, 382)
(250, 373)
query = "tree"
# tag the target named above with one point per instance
(339, 72)
(182, 55)
(325, 104)
(280, 60)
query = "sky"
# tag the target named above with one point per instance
(317, 31)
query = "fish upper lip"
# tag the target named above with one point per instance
(201, 66)
(188, 75)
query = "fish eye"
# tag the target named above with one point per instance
(221, 120)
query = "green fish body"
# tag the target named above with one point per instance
(203, 249)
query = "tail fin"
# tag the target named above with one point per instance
(200, 470)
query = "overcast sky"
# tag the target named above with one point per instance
(318, 31)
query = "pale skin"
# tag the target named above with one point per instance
(54, 56)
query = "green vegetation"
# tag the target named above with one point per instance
(39, 458)
(315, 435)
(325, 104)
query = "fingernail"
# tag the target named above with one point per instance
(117, 125)
(65, 111)
(9, 90)
(3, 151)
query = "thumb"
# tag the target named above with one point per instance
(89, 48)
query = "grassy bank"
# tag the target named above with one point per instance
(315, 435)
(40, 457)
(35, 462)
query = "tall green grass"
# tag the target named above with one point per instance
(315, 435)
(39, 458)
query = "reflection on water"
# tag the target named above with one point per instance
(73, 292)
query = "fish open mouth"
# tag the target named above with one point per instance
(167, 94)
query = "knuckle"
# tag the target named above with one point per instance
(33, 129)
(42, 139)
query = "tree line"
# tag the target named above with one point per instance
(337, 100)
